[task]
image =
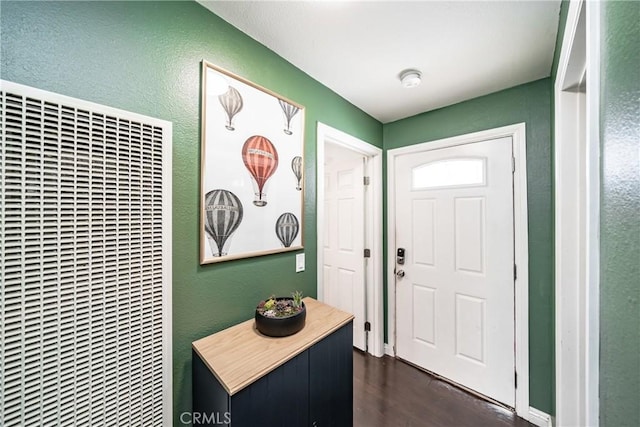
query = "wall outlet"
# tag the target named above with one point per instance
(299, 263)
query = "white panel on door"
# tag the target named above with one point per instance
(345, 180)
(345, 225)
(469, 234)
(423, 218)
(470, 327)
(345, 289)
(424, 314)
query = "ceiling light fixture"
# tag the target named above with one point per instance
(410, 78)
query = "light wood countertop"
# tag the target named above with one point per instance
(240, 355)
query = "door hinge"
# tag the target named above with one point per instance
(367, 326)
(367, 253)
(515, 272)
(513, 164)
(516, 379)
(366, 180)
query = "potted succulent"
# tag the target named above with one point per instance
(281, 316)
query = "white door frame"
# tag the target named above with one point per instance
(373, 227)
(577, 244)
(521, 250)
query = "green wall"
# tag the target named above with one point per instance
(529, 103)
(145, 57)
(619, 210)
(620, 215)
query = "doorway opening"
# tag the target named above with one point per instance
(361, 281)
(520, 248)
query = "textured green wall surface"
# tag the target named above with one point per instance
(529, 103)
(620, 215)
(145, 57)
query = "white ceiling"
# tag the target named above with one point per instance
(464, 49)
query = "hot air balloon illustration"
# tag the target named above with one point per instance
(222, 215)
(231, 101)
(289, 111)
(261, 160)
(287, 227)
(296, 167)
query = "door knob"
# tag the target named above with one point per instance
(400, 274)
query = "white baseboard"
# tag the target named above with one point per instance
(388, 350)
(377, 349)
(539, 418)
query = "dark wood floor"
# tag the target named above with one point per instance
(388, 392)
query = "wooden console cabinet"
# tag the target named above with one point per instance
(243, 378)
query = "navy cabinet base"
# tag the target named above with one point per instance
(314, 388)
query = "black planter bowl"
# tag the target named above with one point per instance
(281, 326)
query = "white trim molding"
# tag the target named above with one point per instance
(539, 418)
(373, 235)
(388, 350)
(577, 217)
(521, 242)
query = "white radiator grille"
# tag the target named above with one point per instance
(85, 263)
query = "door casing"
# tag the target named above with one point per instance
(577, 195)
(373, 234)
(521, 252)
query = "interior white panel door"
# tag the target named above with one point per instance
(455, 304)
(344, 264)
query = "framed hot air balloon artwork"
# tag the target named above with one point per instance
(252, 182)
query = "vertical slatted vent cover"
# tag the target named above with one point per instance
(82, 296)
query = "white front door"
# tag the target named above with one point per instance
(344, 263)
(455, 303)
